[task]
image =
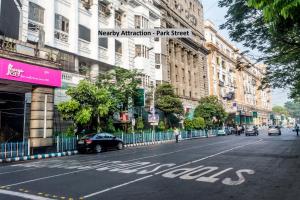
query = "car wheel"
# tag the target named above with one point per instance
(98, 148)
(120, 146)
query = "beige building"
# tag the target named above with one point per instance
(184, 59)
(236, 80)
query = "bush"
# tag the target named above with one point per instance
(188, 124)
(161, 126)
(140, 124)
(198, 123)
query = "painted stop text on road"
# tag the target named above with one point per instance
(201, 173)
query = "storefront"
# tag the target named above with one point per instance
(18, 81)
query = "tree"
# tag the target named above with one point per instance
(280, 110)
(168, 102)
(211, 110)
(87, 105)
(188, 124)
(199, 123)
(272, 28)
(123, 85)
(140, 124)
(161, 126)
(293, 108)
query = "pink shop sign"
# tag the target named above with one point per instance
(23, 72)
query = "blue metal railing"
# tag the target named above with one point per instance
(14, 149)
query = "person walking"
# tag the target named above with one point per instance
(297, 129)
(176, 133)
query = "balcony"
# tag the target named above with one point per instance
(84, 46)
(61, 36)
(33, 30)
(102, 54)
(118, 59)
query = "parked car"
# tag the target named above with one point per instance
(274, 130)
(221, 131)
(251, 130)
(98, 142)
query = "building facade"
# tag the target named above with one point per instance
(68, 30)
(183, 60)
(236, 80)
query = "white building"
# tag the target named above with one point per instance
(72, 26)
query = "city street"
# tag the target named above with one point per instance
(218, 168)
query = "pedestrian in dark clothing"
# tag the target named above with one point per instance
(297, 129)
(176, 133)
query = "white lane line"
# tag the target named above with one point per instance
(145, 177)
(117, 186)
(204, 158)
(42, 178)
(20, 170)
(23, 195)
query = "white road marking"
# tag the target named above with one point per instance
(204, 158)
(241, 178)
(42, 178)
(20, 170)
(23, 195)
(117, 186)
(146, 177)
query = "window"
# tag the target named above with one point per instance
(118, 47)
(67, 61)
(141, 51)
(137, 21)
(157, 58)
(36, 13)
(84, 33)
(61, 23)
(138, 50)
(103, 42)
(218, 60)
(118, 19)
(141, 22)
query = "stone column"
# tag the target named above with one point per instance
(186, 73)
(172, 62)
(192, 74)
(38, 115)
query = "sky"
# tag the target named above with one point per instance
(216, 15)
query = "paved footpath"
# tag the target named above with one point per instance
(218, 168)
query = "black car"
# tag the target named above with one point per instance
(98, 142)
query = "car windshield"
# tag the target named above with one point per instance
(249, 127)
(88, 136)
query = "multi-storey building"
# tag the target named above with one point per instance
(68, 29)
(184, 59)
(235, 80)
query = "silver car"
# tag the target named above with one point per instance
(274, 130)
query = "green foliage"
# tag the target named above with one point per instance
(161, 126)
(140, 124)
(188, 124)
(272, 28)
(280, 110)
(70, 131)
(199, 123)
(122, 84)
(167, 101)
(293, 108)
(87, 105)
(110, 125)
(211, 110)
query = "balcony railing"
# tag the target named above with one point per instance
(102, 54)
(61, 35)
(34, 26)
(84, 46)
(118, 58)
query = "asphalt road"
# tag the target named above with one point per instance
(218, 168)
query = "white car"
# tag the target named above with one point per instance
(274, 130)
